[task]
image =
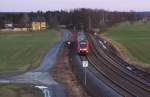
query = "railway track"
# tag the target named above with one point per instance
(101, 92)
(112, 54)
(118, 65)
(111, 73)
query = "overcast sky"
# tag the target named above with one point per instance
(44, 5)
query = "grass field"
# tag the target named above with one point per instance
(13, 90)
(20, 51)
(135, 38)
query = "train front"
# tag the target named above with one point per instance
(83, 47)
(82, 43)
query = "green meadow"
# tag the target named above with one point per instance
(21, 51)
(135, 38)
(13, 90)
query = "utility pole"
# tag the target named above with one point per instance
(104, 18)
(90, 25)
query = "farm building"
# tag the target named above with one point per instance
(38, 24)
(8, 24)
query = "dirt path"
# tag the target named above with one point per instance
(62, 72)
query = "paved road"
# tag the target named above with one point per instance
(40, 77)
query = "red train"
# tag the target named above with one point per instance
(82, 43)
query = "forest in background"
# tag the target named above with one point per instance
(79, 19)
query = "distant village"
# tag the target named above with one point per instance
(35, 24)
(20, 21)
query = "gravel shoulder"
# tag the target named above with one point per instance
(62, 72)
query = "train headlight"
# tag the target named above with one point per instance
(84, 49)
(68, 42)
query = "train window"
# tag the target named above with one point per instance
(83, 44)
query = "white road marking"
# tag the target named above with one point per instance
(45, 90)
(41, 87)
(46, 93)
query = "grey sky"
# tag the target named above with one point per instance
(44, 5)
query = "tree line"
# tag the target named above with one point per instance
(79, 19)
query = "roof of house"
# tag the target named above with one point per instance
(8, 22)
(38, 19)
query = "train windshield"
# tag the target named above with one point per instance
(83, 44)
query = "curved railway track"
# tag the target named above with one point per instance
(117, 64)
(113, 75)
(112, 54)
